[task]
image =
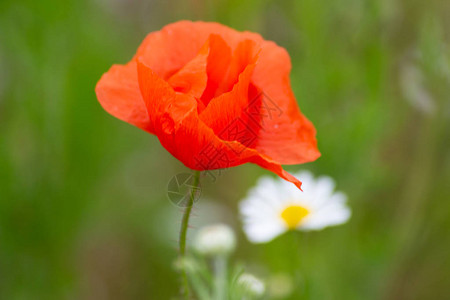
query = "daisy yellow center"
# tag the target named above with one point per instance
(293, 215)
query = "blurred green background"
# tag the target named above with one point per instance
(83, 206)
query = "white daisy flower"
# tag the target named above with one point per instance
(275, 206)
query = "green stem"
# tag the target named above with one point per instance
(220, 277)
(184, 228)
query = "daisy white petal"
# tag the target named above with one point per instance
(273, 207)
(264, 232)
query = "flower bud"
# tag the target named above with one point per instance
(216, 239)
(252, 285)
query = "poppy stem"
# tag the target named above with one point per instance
(184, 228)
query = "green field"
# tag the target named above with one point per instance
(83, 207)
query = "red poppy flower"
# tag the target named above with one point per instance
(214, 97)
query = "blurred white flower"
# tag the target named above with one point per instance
(275, 206)
(251, 285)
(216, 239)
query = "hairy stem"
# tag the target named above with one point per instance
(184, 228)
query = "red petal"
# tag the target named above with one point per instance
(188, 138)
(283, 137)
(219, 61)
(167, 108)
(118, 93)
(226, 114)
(286, 135)
(192, 78)
(168, 50)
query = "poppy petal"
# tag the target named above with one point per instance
(206, 150)
(219, 61)
(192, 78)
(168, 108)
(199, 86)
(118, 93)
(287, 135)
(225, 115)
(168, 50)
